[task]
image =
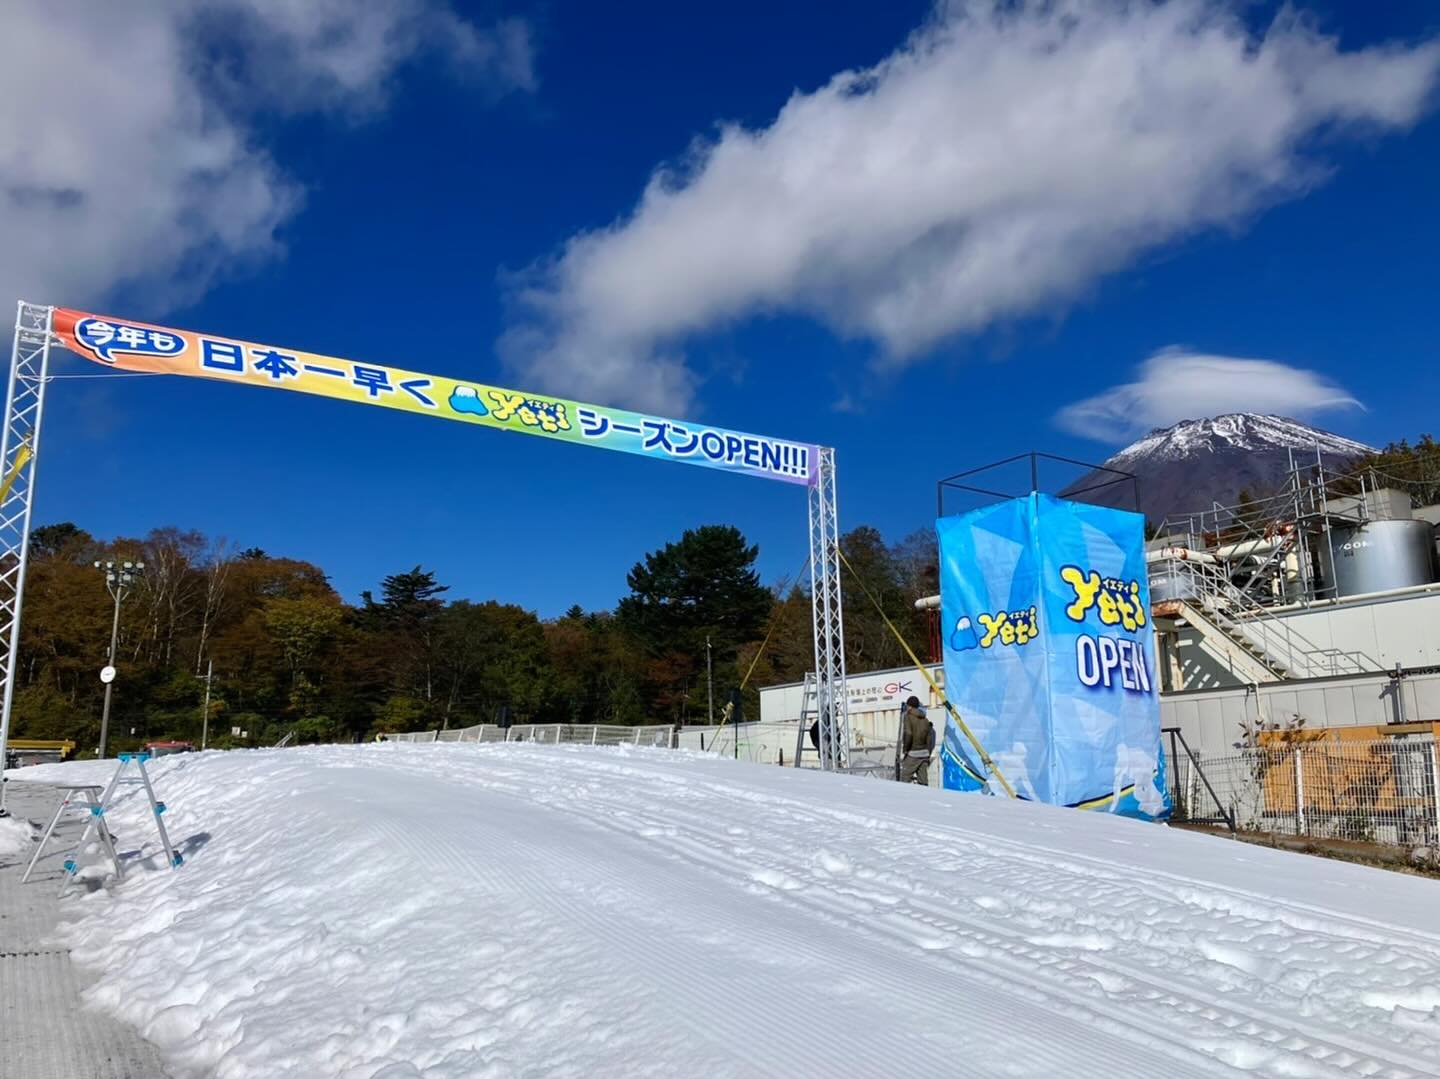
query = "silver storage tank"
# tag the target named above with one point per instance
(1379, 556)
(1166, 583)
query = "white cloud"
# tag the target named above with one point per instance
(128, 148)
(1176, 384)
(998, 163)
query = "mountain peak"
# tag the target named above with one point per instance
(1194, 463)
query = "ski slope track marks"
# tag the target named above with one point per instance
(451, 910)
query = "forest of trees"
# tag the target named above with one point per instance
(1408, 466)
(289, 654)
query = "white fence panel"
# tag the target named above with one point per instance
(549, 734)
(1385, 792)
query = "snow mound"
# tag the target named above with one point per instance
(462, 910)
(16, 838)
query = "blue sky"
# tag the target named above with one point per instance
(412, 199)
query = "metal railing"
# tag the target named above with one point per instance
(547, 733)
(1235, 612)
(1385, 792)
(1311, 492)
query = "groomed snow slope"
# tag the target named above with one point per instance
(462, 910)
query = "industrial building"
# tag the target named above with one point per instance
(1316, 609)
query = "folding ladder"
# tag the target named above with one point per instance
(809, 710)
(81, 798)
(97, 823)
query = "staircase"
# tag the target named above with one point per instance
(1255, 643)
(1271, 568)
(1231, 647)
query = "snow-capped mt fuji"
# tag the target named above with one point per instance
(1195, 463)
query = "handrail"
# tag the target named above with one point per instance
(1239, 615)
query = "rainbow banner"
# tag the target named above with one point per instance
(139, 346)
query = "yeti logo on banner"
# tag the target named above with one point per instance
(1106, 661)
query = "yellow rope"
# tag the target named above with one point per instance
(925, 672)
(774, 621)
(728, 710)
(22, 458)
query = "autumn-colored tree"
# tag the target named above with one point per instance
(288, 654)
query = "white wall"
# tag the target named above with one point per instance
(1392, 629)
(1387, 630)
(1211, 720)
(875, 702)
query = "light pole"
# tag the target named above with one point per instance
(709, 685)
(205, 708)
(119, 579)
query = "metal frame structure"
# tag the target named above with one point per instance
(831, 702)
(1308, 505)
(24, 408)
(950, 483)
(19, 445)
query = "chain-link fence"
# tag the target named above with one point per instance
(1385, 792)
(550, 733)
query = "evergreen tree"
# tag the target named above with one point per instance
(409, 614)
(869, 642)
(703, 586)
(63, 540)
(1413, 468)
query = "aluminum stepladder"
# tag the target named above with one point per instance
(97, 817)
(809, 710)
(82, 798)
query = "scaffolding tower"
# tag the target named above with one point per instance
(825, 607)
(19, 444)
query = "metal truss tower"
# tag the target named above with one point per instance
(19, 443)
(831, 704)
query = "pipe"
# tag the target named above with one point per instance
(1248, 548)
(927, 603)
(1359, 597)
(1178, 554)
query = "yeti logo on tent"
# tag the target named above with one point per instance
(963, 638)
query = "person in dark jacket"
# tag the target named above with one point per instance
(917, 744)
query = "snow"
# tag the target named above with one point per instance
(463, 910)
(16, 838)
(1240, 430)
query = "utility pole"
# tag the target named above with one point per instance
(119, 579)
(205, 712)
(709, 683)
